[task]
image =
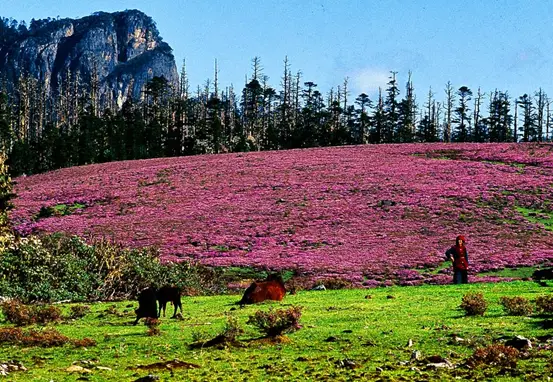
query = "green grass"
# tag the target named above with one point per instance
(516, 273)
(537, 216)
(338, 326)
(58, 210)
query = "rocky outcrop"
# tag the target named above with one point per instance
(116, 52)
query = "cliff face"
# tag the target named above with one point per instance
(118, 51)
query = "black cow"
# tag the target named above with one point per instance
(167, 294)
(543, 274)
(147, 304)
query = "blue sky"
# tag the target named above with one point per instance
(503, 44)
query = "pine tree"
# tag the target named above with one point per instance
(450, 101)
(462, 117)
(391, 110)
(363, 120)
(529, 127)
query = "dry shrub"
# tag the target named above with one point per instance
(79, 311)
(277, 322)
(153, 326)
(84, 343)
(516, 306)
(494, 355)
(46, 313)
(17, 313)
(11, 335)
(43, 338)
(544, 304)
(474, 304)
(20, 314)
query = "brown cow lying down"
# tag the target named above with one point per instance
(167, 294)
(270, 289)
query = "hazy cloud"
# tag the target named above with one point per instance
(524, 58)
(368, 80)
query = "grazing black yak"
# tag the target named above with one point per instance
(147, 304)
(270, 289)
(167, 294)
(543, 274)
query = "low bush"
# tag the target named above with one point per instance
(498, 355)
(474, 304)
(277, 322)
(516, 306)
(544, 304)
(20, 314)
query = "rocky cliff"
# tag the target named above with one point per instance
(118, 52)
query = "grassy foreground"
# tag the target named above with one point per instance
(347, 334)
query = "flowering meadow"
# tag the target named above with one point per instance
(372, 214)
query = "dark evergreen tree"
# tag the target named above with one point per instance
(462, 116)
(391, 111)
(529, 128)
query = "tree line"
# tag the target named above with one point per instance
(75, 126)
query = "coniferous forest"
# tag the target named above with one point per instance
(42, 132)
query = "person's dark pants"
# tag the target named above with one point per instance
(460, 277)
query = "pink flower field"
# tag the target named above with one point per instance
(372, 214)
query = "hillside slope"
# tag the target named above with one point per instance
(372, 214)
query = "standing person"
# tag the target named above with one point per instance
(459, 256)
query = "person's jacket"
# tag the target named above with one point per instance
(460, 257)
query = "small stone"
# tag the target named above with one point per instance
(77, 369)
(416, 355)
(519, 343)
(103, 368)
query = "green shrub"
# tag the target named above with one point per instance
(544, 304)
(60, 267)
(516, 306)
(474, 304)
(277, 322)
